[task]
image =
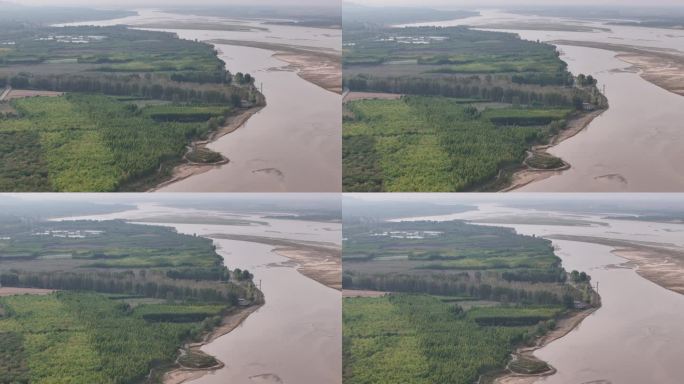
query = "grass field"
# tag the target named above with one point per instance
(423, 339)
(436, 144)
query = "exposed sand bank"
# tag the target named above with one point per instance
(528, 174)
(187, 168)
(315, 65)
(662, 67)
(659, 263)
(230, 322)
(321, 262)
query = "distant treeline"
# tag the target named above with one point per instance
(134, 85)
(469, 87)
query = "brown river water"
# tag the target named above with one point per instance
(296, 336)
(636, 336)
(294, 143)
(635, 146)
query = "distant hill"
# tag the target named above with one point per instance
(383, 16)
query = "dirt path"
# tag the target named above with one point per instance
(529, 175)
(187, 169)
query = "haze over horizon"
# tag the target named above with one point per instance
(492, 3)
(174, 3)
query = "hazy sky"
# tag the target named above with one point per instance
(476, 3)
(152, 3)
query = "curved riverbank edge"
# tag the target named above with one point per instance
(661, 67)
(319, 66)
(527, 175)
(229, 323)
(321, 262)
(187, 169)
(564, 326)
(662, 264)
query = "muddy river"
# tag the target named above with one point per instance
(636, 144)
(296, 336)
(294, 143)
(636, 336)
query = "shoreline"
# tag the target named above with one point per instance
(231, 321)
(187, 169)
(564, 326)
(317, 262)
(528, 175)
(658, 264)
(661, 67)
(317, 66)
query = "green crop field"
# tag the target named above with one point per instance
(435, 143)
(87, 338)
(422, 339)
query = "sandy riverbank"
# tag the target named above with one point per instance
(318, 66)
(230, 322)
(187, 169)
(321, 262)
(529, 175)
(662, 67)
(563, 327)
(661, 264)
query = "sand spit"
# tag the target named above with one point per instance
(662, 67)
(319, 66)
(321, 262)
(661, 264)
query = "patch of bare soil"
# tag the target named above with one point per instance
(11, 291)
(315, 65)
(23, 93)
(321, 262)
(351, 96)
(528, 175)
(362, 293)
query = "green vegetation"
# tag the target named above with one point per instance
(422, 339)
(475, 102)
(136, 99)
(88, 338)
(129, 297)
(436, 144)
(462, 298)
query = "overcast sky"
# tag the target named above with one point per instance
(153, 3)
(476, 3)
